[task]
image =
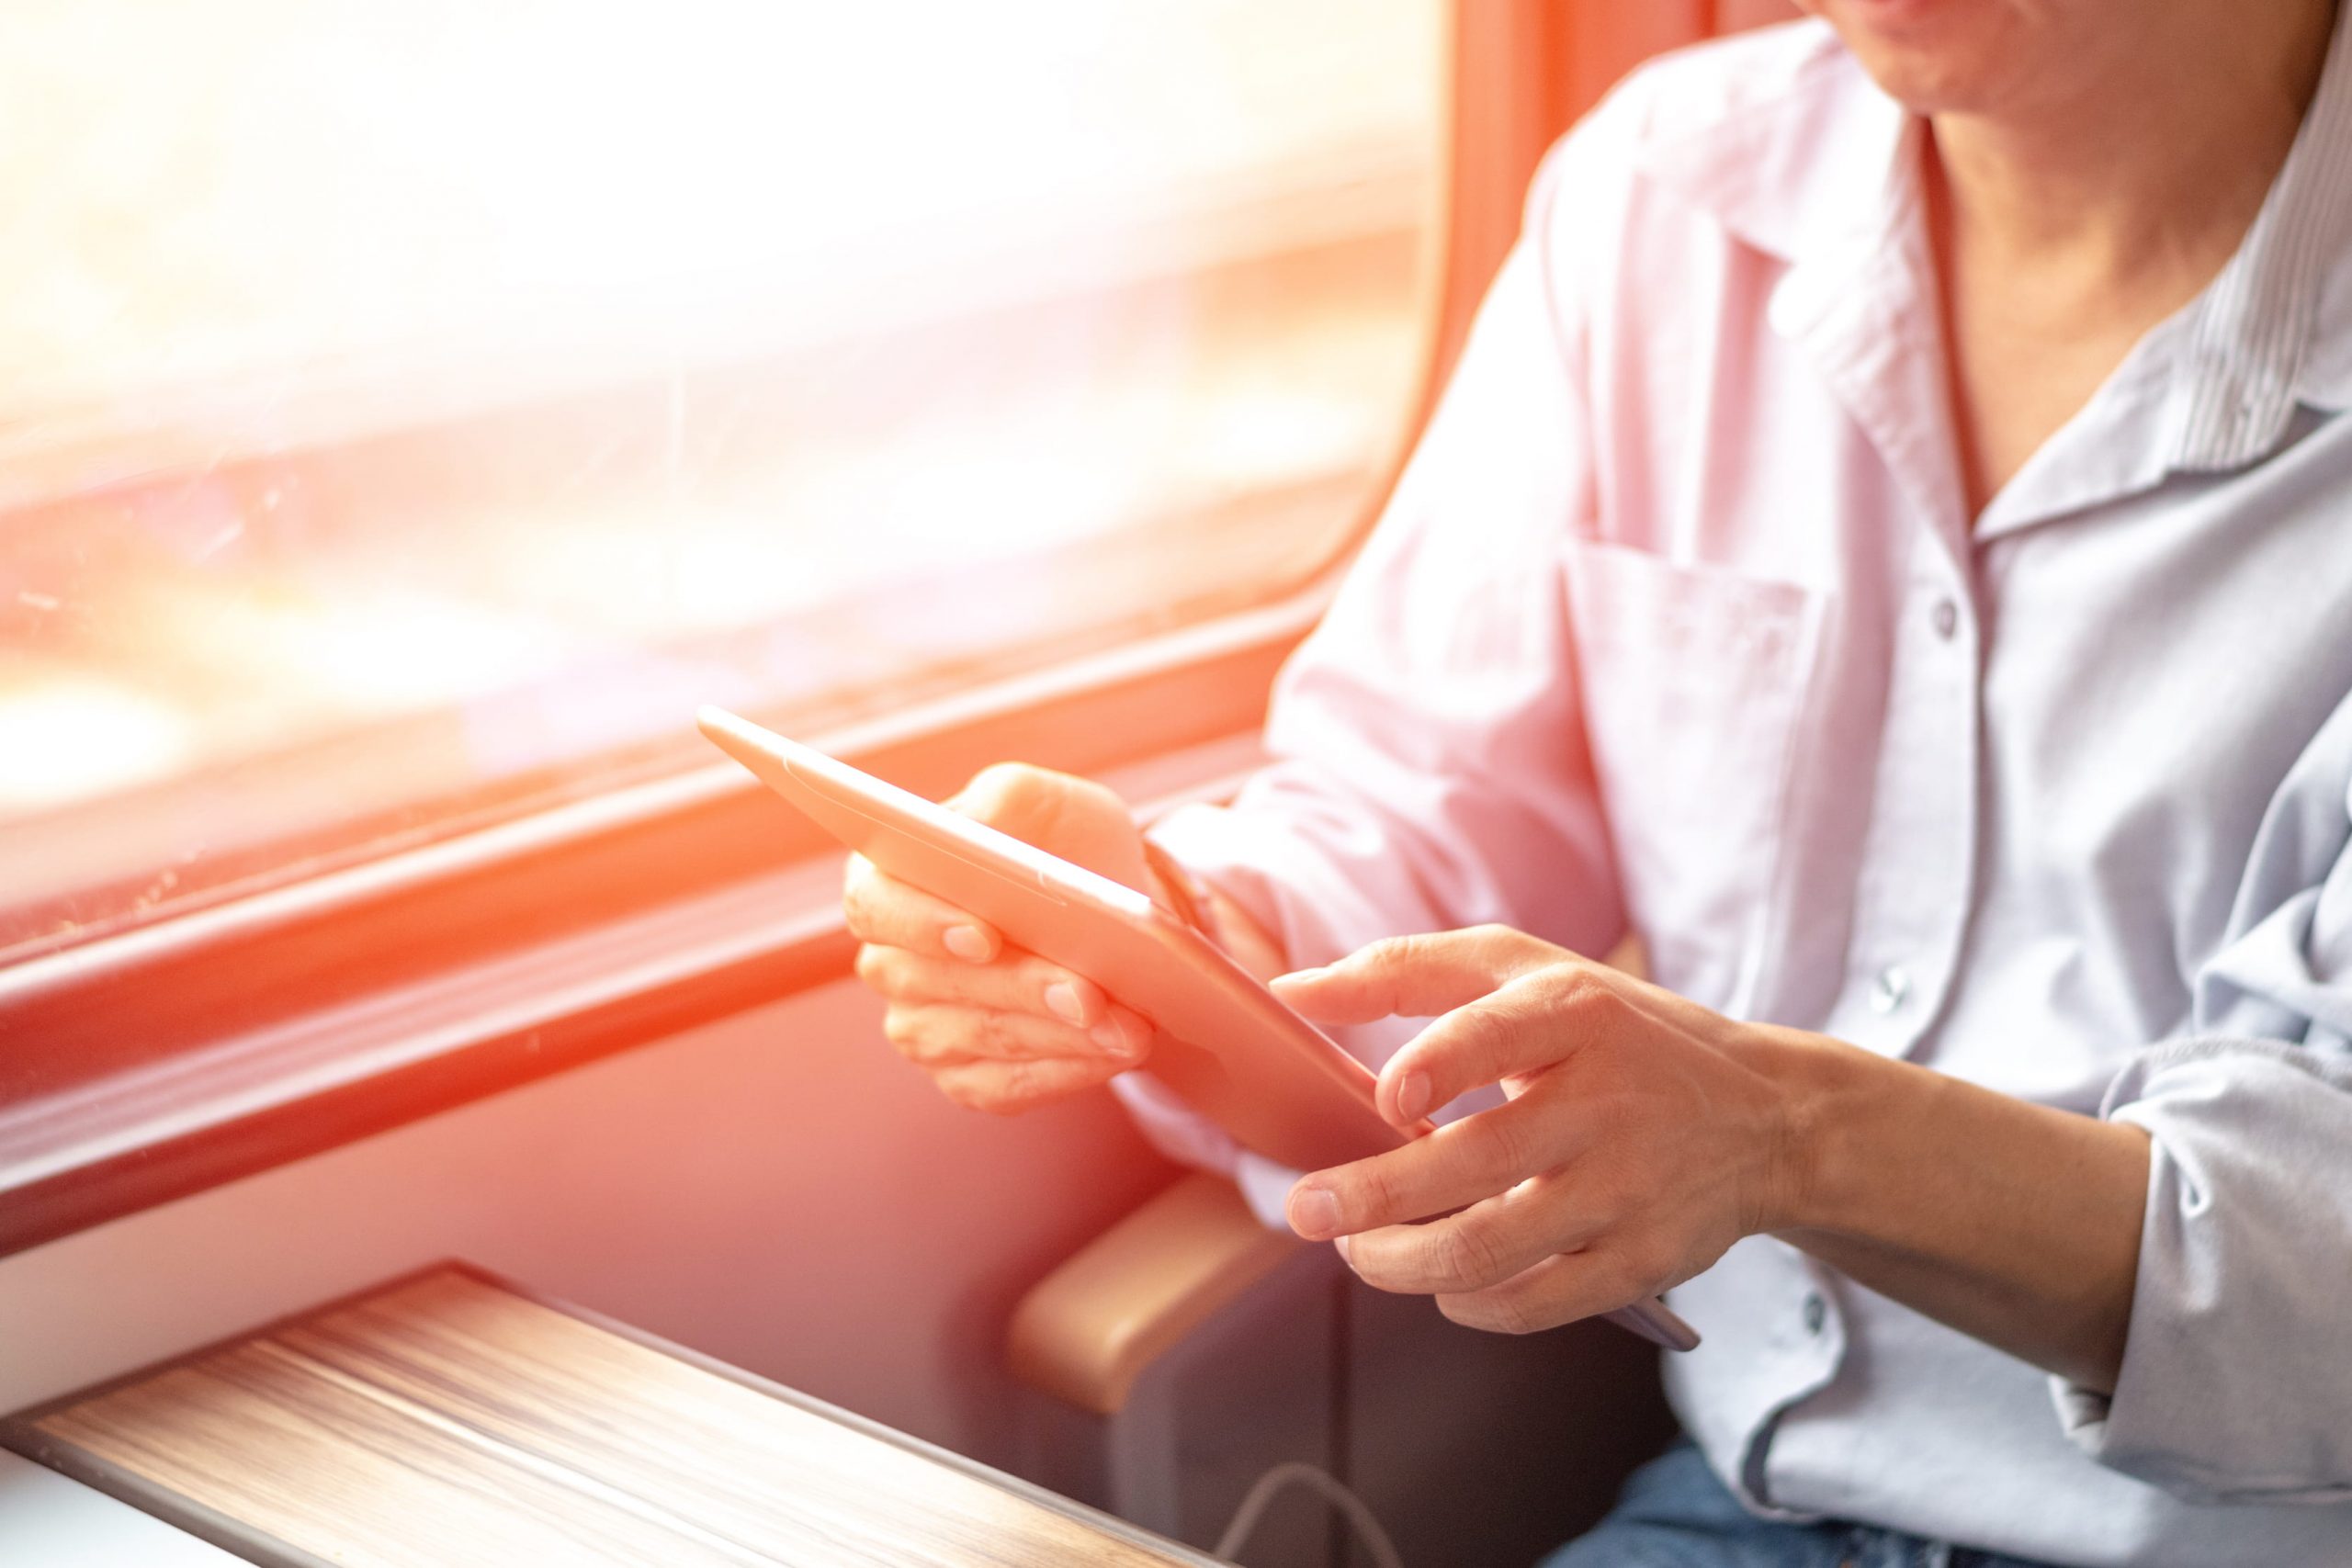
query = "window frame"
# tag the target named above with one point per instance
(270, 1027)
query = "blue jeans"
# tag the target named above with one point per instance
(1675, 1514)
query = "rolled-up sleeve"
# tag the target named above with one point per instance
(2236, 1381)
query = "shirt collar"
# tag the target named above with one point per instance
(1808, 161)
(2256, 343)
(1794, 158)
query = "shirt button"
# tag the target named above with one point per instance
(1890, 989)
(1945, 618)
(1817, 1313)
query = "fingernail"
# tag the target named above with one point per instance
(1313, 1211)
(1120, 1040)
(1413, 1095)
(1339, 1245)
(966, 942)
(1302, 976)
(1062, 997)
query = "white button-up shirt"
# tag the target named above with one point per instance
(1679, 624)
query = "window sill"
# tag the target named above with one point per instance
(150, 1065)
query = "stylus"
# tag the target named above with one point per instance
(1656, 1322)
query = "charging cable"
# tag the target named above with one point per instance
(1264, 1491)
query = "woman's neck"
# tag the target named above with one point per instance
(2064, 234)
(2155, 167)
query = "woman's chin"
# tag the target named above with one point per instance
(1935, 56)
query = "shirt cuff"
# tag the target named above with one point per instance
(2234, 1378)
(1265, 1186)
(1174, 1128)
(1186, 1136)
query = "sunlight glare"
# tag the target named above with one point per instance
(71, 737)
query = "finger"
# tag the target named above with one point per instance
(1007, 1086)
(1558, 1290)
(1018, 981)
(1414, 977)
(1012, 798)
(1515, 1031)
(939, 1035)
(882, 910)
(1463, 1162)
(1482, 1246)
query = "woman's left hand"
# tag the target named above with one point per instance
(1643, 1134)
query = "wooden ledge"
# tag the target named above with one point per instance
(447, 1419)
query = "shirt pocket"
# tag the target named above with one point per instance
(1695, 680)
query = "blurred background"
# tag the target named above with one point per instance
(410, 412)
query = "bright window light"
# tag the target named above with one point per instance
(413, 410)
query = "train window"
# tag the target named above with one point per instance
(410, 412)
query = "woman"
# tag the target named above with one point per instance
(1886, 545)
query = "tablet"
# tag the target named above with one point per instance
(1224, 1042)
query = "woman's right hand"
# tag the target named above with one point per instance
(999, 1028)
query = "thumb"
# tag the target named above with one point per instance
(1414, 977)
(1081, 821)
